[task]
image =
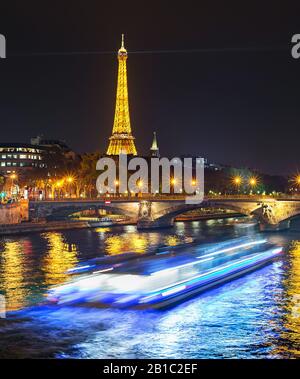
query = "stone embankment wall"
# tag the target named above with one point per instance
(14, 213)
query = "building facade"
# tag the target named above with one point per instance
(16, 157)
(20, 157)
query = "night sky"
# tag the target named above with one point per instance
(212, 78)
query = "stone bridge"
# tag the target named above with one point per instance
(271, 213)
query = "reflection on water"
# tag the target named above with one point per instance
(118, 244)
(102, 231)
(137, 242)
(60, 257)
(254, 316)
(12, 275)
(290, 336)
(172, 240)
(114, 245)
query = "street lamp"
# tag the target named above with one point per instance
(253, 182)
(13, 177)
(237, 181)
(173, 182)
(58, 185)
(70, 179)
(140, 184)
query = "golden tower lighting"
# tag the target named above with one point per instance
(122, 141)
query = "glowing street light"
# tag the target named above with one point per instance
(237, 180)
(70, 179)
(253, 182)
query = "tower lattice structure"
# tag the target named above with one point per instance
(122, 140)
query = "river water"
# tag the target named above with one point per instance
(256, 316)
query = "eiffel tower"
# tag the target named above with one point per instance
(122, 141)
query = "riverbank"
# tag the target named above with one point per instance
(37, 227)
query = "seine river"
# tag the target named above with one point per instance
(256, 316)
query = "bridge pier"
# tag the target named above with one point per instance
(146, 219)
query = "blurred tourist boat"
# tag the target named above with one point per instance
(101, 263)
(161, 280)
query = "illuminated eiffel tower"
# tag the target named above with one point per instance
(122, 141)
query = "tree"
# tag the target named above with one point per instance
(87, 173)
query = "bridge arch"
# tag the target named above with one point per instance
(67, 210)
(169, 214)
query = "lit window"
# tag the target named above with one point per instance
(8, 163)
(2, 164)
(15, 156)
(23, 156)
